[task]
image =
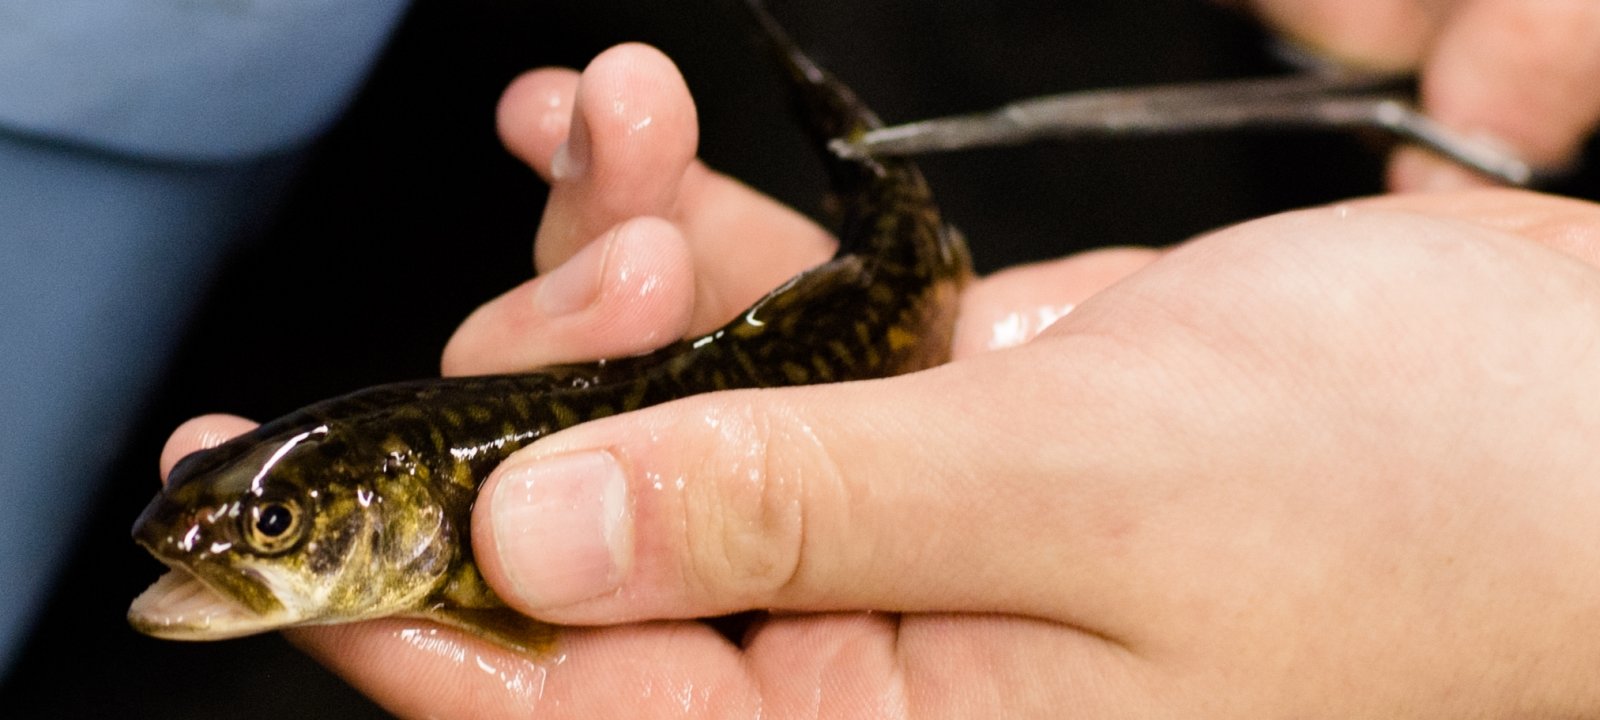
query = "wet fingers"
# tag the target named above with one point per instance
(632, 137)
(628, 292)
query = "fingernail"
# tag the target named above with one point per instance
(574, 284)
(571, 158)
(563, 528)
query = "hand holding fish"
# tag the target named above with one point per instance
(1338, 463)
(1519, 70)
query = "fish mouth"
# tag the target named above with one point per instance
(181, 606)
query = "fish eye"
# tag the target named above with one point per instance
(272, 526)
(274, 520)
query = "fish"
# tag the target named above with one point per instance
(358, 507)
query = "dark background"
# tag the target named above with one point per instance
(409, 214)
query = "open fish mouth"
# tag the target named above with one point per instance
(179, 606)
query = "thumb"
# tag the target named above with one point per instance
(913, 493)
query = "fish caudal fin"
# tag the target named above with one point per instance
(829, 109)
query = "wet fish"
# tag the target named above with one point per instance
(358, 507)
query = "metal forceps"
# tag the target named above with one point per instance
(1313, 99)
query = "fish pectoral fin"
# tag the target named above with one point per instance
(467, 603)
(500, 625)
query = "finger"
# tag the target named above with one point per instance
(201, 433)
(629, 153)
(1385, 35)
(727, 219)
(627, 293)
(633, 135)
(835, 665)
(1520, 72)
(416, 669)
(955, 666)
(1013, 306)
(534, 115)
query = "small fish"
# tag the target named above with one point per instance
(358, 507)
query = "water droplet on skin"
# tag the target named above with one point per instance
(523, 678)
(1019, 327)
(649, 286)
(431, 641)
(684, 694)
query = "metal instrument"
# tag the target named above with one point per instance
(1308, 100)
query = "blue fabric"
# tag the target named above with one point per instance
(137, 138)
(185, 79)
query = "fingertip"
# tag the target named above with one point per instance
(635, 90)
(535, 113)
(200, 433)
(633, 136)
(647, 291)
(629, 292)
(639, 125)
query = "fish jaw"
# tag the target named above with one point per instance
(184, 604)
(180, 606)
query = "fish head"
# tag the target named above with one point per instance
(290, 527)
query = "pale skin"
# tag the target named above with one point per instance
(1334, 463)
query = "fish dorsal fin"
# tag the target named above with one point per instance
(806, 291)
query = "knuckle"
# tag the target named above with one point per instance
(745, 524)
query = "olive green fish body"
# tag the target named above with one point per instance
(358, 507)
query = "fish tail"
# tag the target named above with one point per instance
(829, 109)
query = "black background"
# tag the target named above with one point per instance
(409, 214)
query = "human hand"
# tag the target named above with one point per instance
(1287, 460)
(1518, 70)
